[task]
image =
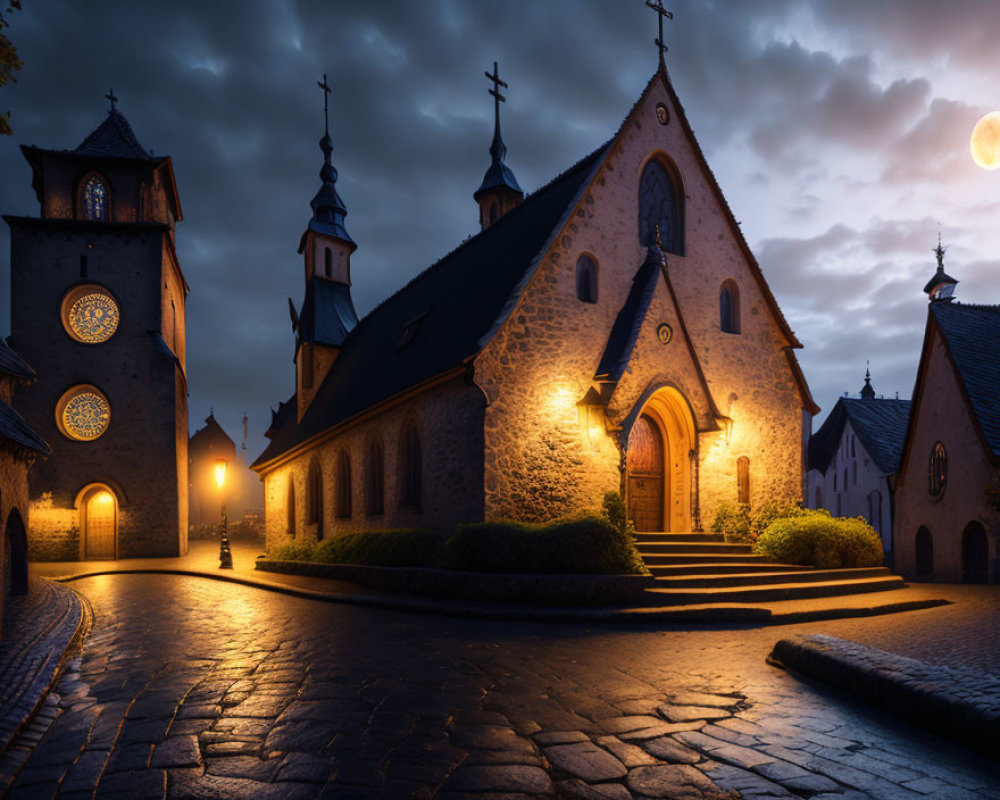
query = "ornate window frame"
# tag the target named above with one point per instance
(81, 200)
(74, 295)
(66, 398)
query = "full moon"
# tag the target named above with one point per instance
(985, 142)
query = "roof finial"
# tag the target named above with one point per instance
(498, 150)
(867, 392)
(328, 209)
(326, 108)
(939, 252)
(112, 98)
(661, 12)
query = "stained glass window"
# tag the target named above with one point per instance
(660, 205)
(91, 315)
(84, 414)
(95, 199)
(938, 471)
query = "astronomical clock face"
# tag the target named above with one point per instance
(90, 315)
(83, 413)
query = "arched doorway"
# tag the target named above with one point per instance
(975, 554)
(15, 555)
(659, 464)
(99, 523)
(924, 548)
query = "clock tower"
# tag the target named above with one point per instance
(98, 301)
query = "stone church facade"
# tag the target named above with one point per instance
(98, 305)
(610, 331)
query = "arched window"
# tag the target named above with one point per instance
(375, 477)
(925, 555)
(875, 511)
(586, 279)
(818, 500)
(314, 500)
(290, 507)
(410, 466)
(729, 307)
(975, 554)
(743, 479)
(328, 262)
(660, 205)
(938, 470)
(344, 485)
(94, 199)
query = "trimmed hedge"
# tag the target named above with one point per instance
(738, 523)
(395, 548)
(814, 538)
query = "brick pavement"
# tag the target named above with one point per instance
(193, 688)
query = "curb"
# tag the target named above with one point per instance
(741, 615)
(957, 702)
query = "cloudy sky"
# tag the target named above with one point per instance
(838, 131)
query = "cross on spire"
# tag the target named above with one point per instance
(326, 108)
(939, 252)
(661, 12)
(495, 91)
(112, 98)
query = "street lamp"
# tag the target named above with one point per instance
(225, 555)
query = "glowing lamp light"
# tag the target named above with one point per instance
(104, 498)
(727, 426)
(220, 472)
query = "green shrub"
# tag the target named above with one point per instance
(733, 521)
(294, 551)
(395, 548)
(816, 539)
(580, 545)
(767, 512)
(616, 512)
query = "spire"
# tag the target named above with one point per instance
(867, 392)
(661, 12)
(499, 191)
(941, 287)
(328, 209)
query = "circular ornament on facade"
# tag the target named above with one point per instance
(90, 314)
(83, 413)
(662, 114)
(664, 333)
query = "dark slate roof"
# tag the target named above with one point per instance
(879, 424)
(14, 428)
(13, 364)
(448, 312)
(625, 331)
(972, 333)
(211, 437)
(328, 314)
(113, 138)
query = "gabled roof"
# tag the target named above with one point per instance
(328, 314)
(455, 305)
(113, 138)
(13, 364)
(879, 424)
(16, 430)
(972, 336)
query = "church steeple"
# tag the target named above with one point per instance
(499, 192)
(867, 392)
(941, 287)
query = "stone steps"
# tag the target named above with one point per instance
(764, 578)
(773, 592)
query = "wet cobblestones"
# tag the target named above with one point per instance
(192, 688)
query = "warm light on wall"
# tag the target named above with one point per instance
(727, 426)
(104, 498)
(220, 472)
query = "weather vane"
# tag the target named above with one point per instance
(661, 12)
(112, 98)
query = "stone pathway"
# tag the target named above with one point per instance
(192, 688)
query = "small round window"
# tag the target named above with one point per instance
(90, 314)
(83, 413)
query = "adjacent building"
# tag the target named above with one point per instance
(98, 305)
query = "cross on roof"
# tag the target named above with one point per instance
(661, 12)
(112, 97)
(939, 252)
(326, 110)
(495, 91)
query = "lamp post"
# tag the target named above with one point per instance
(225, 555)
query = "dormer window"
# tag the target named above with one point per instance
(410, 331)
(94, 199)
(586, 279)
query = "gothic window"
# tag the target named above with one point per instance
(875, 510)
(924, 547)
(94, 199)
(818, 501)
(90, 314)
(975, 554)
(290, 507)
(314, 503)
(344, 485)
(375, 477)
(938, 470)
(729, 307)
(328, 262)
(660, 206)
(83, 413)
(586, 279)
(743, 479)
(410, 466)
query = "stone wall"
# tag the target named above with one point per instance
(450, 420)
(541, 460)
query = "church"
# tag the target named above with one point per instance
(609, 331)
(98, 308)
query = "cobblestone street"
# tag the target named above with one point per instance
(217, 690)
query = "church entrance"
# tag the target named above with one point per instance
(659, 464)
(100, 524)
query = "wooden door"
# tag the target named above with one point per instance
(100, 525)
(645, 475)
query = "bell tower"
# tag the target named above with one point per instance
(98, 306)
(499, 192)
(327, 315)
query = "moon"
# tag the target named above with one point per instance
(985, 142)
